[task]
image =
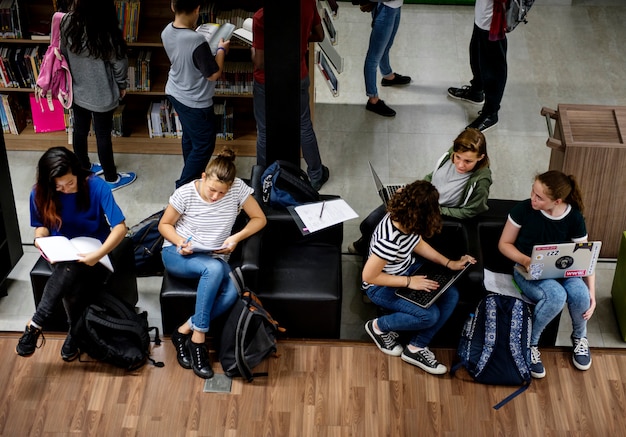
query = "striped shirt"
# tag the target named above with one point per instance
(393, 246)
(208, 223)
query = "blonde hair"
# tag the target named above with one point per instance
(222, 167)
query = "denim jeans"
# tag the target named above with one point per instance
(198, 142)
(72, 282)
(489, 68)
(550, 296)
(102, 125)
(385, 23)
(308, 139)
(216, 291)
(406, 316)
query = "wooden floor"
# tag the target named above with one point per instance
(313, 389)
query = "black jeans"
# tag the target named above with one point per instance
(102, 125)
(489, 67)
(73, 282)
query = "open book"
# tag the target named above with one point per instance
(59, 248)
(213, 32)
(244, 33)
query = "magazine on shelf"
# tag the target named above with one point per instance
(59, 248)
(329, 75)
(213, 32)
(244, 33)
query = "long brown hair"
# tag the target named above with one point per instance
(561, 186)
(416, 208)
(472, 140)
(222, 167)
(57, 162)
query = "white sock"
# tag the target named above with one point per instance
(376, 330)
(34, 325)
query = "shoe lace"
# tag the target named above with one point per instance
(429, 356)
(535, 355)
(389, 339)
(33, 332)
(581, 346)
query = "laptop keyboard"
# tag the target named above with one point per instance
(423, 297)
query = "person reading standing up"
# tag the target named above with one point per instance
(92, 43)
(190, 85)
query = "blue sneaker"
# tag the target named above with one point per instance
(536, 366)
(96, 168)
(581, 357)
(123, 179)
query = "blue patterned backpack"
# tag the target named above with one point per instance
(495, 343)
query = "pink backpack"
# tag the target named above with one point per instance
(55, 79)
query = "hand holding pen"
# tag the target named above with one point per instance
(184, 246)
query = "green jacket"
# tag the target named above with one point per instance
(475, 194)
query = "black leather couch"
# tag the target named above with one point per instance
(121, 283)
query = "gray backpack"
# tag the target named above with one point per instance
(516, 11)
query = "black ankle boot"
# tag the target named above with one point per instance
(182, 351)
(200, 360)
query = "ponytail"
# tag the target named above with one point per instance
(562, 186)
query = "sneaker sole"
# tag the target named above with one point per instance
(474, 102)
(422, 366)
(538, 375)
(382, 349)
(580, 366)
(70, 358)
(488, 128)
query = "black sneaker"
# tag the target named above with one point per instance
(182, 351)
(397, 80)
(200, 362)
(425, 360)
(484, 122)
(28, 342)
(380, 108)
(386, 341)
(536, 366)
(466, 94)
(69, 350)
(317, 185)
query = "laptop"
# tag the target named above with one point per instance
(384, 191)
(443, 275)
(563, 260)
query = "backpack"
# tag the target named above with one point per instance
(54, 80)
(110, 330)
(248, 335)
(285, 184)
(147, 245)
(515, 13)
(495, 343)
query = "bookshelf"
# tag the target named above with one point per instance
(154, 16)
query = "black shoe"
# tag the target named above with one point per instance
(484, 122)
(380, 108)
(200, 362)
(397, 80)
(466, 94)
(28, 342)
(182, 351)
(317, 185)
(69, 350)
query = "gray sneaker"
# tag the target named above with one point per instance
(425, 360)
(581, 356)
(386, 341)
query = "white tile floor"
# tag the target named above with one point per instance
(565, 54)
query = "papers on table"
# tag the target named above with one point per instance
(313, 217)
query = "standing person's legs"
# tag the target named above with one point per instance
(393, 21)
(494, 72)
(198, 142)
(102, 124)
(80, 132)
(308, 140)
(382, 31)
(475, 51)
(258, 104)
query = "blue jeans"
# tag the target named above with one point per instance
(550, 296)
(216, 292)
(385, 23)
(102, 125)
(198, 142)
(406, 316)
(308, 140)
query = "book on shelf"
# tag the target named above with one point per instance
(11, 19)
(14, 115)
(59, 248)
(128, 18)
(224, 121)
(244, 33)
(213, 32)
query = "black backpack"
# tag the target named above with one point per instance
(285, 184)
(495, 343)
(147, 244)
(515, 12)
(249, 334)
(110, 330)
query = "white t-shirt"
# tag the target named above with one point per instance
(483, 12)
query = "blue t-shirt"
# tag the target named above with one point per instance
(97, 221)
(537, 227)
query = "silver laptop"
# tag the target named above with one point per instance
(443, 275)
(384, 191)
(563, 260)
